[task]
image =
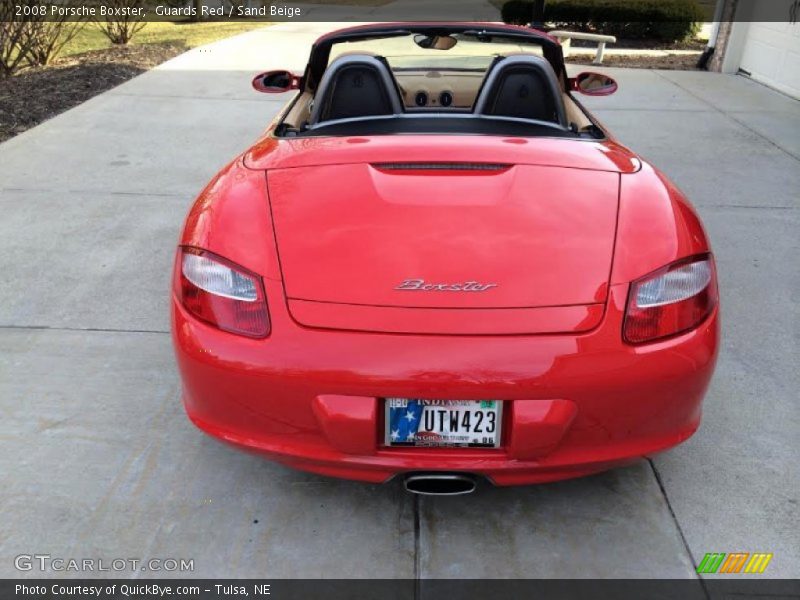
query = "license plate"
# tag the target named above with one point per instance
(460, 423)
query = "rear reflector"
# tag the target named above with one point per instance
(223, 294)
(670, 301)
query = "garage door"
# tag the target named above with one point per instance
(772, 54)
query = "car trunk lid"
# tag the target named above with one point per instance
(445, 248)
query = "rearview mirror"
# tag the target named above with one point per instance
(594, 84)
(435, 42)
(276, 82)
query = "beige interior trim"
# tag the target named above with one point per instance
(463, 86)
(574, 113)
(300, 112)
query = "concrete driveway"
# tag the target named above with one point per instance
(99, 461)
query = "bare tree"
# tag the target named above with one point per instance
(121, 28)
(16, 36)
(197, 5)
(50, 37)
(236, 4)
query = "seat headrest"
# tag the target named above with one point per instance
(522, 86)
(355, 85)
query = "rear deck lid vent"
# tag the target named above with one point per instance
(441, 166)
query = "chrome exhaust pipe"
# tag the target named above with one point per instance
(439, 484)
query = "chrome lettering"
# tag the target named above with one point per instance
(423, 286)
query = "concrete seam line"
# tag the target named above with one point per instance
(416, 509)
(655, 110)
(91, 329)
(730, 116)
(95, 192)
(672, 514)
(190, 97)
(119, 193)
(747, 206)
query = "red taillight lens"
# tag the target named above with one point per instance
(222, 293)
(671, 300)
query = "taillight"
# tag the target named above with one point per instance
(223, 294)
(671, 300)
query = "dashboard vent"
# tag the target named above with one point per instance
(440, 166)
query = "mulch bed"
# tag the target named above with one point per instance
(680, 62)
(693, 44)
(35, 95)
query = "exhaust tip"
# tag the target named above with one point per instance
(439, 484)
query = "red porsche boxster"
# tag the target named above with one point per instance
(437, 264)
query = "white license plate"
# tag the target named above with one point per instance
(462, 423)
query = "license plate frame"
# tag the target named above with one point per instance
(427, 440)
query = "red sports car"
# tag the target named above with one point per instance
(437, 264)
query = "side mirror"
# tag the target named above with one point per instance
(594, 84)
(276, 82)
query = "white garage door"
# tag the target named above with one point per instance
(772, 54)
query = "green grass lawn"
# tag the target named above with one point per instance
(189, 34)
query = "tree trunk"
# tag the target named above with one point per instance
(538, 13)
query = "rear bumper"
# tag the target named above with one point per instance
(576, 404)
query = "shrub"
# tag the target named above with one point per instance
(517, 12)
(665, 20)
(16, 38)
(48, 38)
(119, 29)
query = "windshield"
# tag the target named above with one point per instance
(468, 53)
